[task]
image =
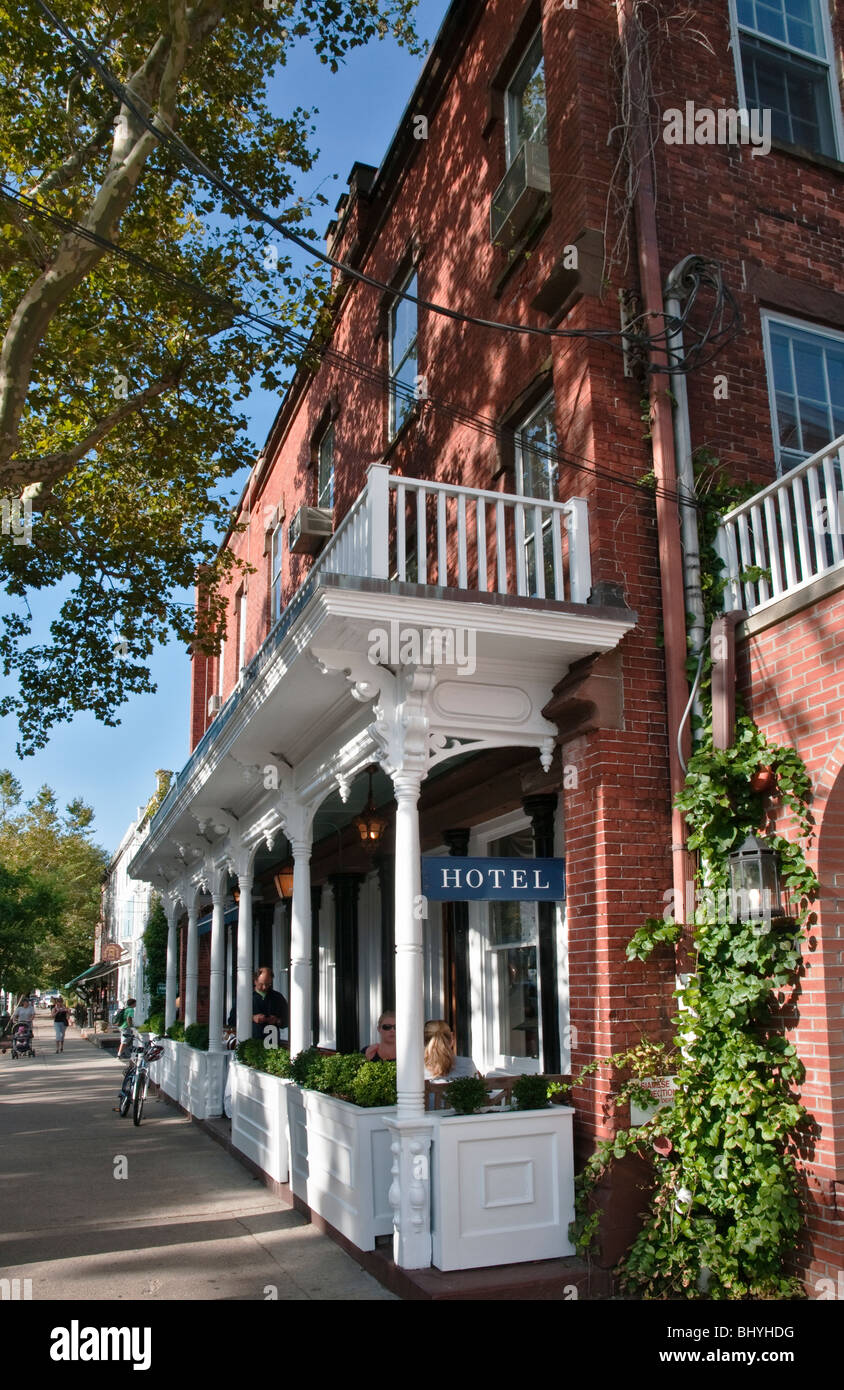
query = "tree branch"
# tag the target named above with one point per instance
(67, 171)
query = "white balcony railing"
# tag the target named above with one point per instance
(786, 536)
(422, 532)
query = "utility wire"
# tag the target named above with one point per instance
(694, 360)
(332, 356)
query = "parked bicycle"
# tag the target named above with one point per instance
(133, 1090)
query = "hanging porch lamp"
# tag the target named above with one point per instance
(370, 825)
(283, 880)
(755, 882)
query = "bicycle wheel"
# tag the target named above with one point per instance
(125, 1095)
(140, 1094)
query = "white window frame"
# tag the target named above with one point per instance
(395, 367)
(241, 633)
(482, 963)
(276, 550)
(326, 438)
(221, 668)
(511, 148)
(827, 59)
(550, 496)
(769, 317)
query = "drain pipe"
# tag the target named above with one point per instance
(677, 288)
(662, 432)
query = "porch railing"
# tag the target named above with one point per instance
(418, 531)
(786, 536)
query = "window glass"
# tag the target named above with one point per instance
(275, 580)
(525, 110)
(537, 476)
(786, 69)
(807, 383)
(403, 373)
(325, 481)
(513, 930)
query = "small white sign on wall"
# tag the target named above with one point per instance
(662, 1090)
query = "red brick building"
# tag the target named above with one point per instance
(506, 195)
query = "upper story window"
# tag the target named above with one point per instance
(221, 668)
(786, 65)
(806, 385)
(525, 118)
(537, 476)
(325, 469)
(403, 328)
(241, 632)
(275, 574)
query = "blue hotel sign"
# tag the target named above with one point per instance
(455, 879)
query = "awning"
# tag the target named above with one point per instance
(102, 967)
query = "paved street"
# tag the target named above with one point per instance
(187, 1222)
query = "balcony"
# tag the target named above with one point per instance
(787, 537)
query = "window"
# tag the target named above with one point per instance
(221, 668)
(525, 102)
(403, 326)
(536, 476)
(785, 65)
(241, 631)
(325, 470)
(513, 965)
(275, 575)
(806, 386)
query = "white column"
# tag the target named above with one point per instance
(244, 957)
(410, 1191)
(192, 965)
(217, 991)
(172, 975)
(300, 948)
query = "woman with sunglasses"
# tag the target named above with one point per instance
(384, 1050)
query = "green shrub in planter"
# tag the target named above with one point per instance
(176, 1031)
(252, 1053)
(466, 1094)
(306, 1066)
(374, 1084)
(336, 1075)
(196, 1035)
(155, 1024)
(531, 1093)
(276, 1061)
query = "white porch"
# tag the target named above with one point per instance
(368, 666)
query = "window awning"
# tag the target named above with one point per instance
(94, 972)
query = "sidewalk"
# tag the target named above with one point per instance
(186, 1222)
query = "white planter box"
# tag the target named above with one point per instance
(167, 1071)
(340, 1162)
(202, 1081)
(502, 1188)
(259, 1118)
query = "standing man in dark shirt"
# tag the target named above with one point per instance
(269, 1008)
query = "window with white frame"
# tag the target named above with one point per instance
(403, 333)
(537, 476)
(806, 387)
(275, 574)
(524, 112)
(785, 61)
(221, 668)
(241, 631)
(325, 469)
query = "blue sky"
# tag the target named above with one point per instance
(113, 769)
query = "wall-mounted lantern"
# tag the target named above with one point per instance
(755, 882)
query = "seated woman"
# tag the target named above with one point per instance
(384, 1050)
(441, 1061)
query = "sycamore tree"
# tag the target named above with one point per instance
(50, 880)
(121, 395)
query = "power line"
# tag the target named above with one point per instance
(646, 342)
(333, 356)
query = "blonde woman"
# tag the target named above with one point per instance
(441, 1060)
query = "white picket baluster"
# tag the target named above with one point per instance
(462, 563)
(773, 546)
(421, 534)
(539, 551)
(746, 560)
(787, 532)
(759, 552)
(557, 552)
(480, 529)
(802, 528)
(834, 510)
(401, 534)
(521, 575)
(442, 541)
(501, 547)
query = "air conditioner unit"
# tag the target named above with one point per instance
(215, 704)
(309, 530)
(520, 195)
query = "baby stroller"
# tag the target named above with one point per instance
(22, 1041)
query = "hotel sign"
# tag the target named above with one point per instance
(455, 879)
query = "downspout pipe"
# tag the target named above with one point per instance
(662, 435)
(677, 288)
